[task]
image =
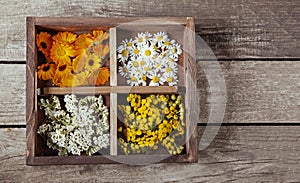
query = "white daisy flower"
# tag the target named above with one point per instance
(123, 70)
(156, 79)
(140, 39)
(128, 43)
(171, 78)
(133, 79)
(175, 50)
(123, 53)
(160, 37)
(148, 52)
(135, 52)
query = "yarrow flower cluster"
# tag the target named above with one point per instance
(82, 127)
(152, 122)
(74, 60)
(149, 59)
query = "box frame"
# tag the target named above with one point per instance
(75, 24)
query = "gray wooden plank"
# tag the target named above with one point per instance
(257, 92)
(12, 94)
(232, 28)
(238, 153)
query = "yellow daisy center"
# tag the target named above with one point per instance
(136, 51)
(170, 79)
(61, 52)
(155, 79)
(168, 69)
(133, 78)
(147, 69)
(158, 65)
(124, 53)
(129, 44)
(159, 38)
(147, 53)
(140, 39)
(144, 78)
(135, 64)
(142, 63)
(174, 50)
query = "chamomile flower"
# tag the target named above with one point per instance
(148, 52)
(160, 37)
(140, 39)
(146, 59)
(135, 52)
(156, 79)
(170, 78)
(123, 53)
(127, 43)
(133, 79)
(175, 50)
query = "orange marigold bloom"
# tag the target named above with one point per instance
(101, 50)
(61, 54)
(63, 71)
(100, 36)
(44, 43)
(79, 63)
(93, 63)
(65, 38)
(46, 71)
(99, 77)
(84, 41)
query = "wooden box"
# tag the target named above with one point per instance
(182, 29)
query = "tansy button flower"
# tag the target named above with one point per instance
(152, 122)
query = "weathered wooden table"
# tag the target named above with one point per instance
(257, 43)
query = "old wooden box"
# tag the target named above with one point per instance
(182, 29)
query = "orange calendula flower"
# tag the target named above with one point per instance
(80, 79)
(93, 63)
(44, 43)
(63, 71)
(100, 36)
(46, 71)
(61, 54)
(101, 50)
(79, 63)
(65, 38)
(84, 41)
(99, 77)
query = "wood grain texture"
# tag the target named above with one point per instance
(12, 94)
(232, 28)
(251, 154)
(257, 92)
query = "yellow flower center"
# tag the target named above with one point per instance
(133, 78)
(144, 78)
(124, 53)
(136, 51)
(170, 79)
(135, 64)
(155, 79)
(142, 63)
(61, 52)
(159, 38)
(140, 39)
(168, 69)
(147, 53)
(158, 65)
(167, 43)
(174, 50)
(129, 44)
(147, 69)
